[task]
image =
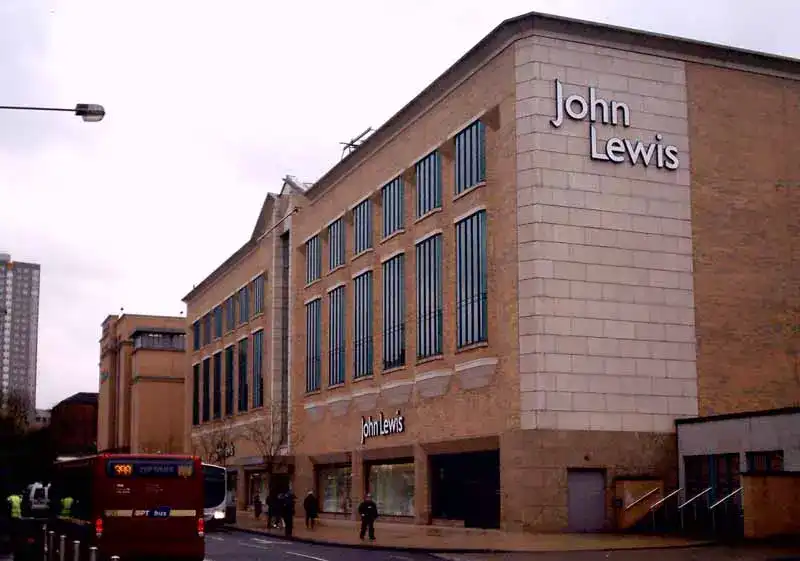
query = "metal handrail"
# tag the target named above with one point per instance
(659, 502)
(697, 496)
(725, 498)
(643, 497)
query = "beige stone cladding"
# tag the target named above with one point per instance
(607, 339)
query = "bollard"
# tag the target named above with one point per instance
(93, 553)
(44, 543)
(62, 548)
(76, 550)
(51, 541)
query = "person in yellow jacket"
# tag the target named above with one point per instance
(66, 507)
(15, 514)
(15, 506)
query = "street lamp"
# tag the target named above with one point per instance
(89, 112)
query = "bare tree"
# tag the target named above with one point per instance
(168, 445)
(218, 444)
(14, 413)
(269, 436)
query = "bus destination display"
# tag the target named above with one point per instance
(149, 468)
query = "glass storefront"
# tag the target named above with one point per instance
(334, 484)
(392, 488)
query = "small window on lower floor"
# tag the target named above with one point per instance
(765, 462)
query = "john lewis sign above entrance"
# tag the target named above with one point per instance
(615, 150)
(382, 426)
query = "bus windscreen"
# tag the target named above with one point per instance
(140, 467)
(215, 486)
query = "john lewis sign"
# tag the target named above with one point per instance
(615, 150)
(382, 426)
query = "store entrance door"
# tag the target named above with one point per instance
(466, 487)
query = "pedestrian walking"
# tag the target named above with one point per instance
(369, 513)
(311, 506)
(287, 508)
(273, 510)
(257, 506)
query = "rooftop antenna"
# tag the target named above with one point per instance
(349, 147)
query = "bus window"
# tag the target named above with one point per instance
(73, 481)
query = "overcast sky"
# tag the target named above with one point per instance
(209, 105)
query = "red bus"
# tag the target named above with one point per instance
(131, 505)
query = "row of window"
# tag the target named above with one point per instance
(469, 171)
(160, 341)
(231, 362)
(237, 310)
(471, 308)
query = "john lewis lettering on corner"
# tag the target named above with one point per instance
(615, 150)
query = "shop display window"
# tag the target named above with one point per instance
(392, 488)
(334, 484)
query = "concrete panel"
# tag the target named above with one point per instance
(604, 240)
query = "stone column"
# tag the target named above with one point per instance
(358, 482)
(422, 495)
(241, 489)
(304, 477)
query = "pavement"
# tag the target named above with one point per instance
(233, 545)
(426, 538)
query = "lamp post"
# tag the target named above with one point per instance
(89, 112)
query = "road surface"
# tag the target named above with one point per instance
(240, 546)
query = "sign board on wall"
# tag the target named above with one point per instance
(609, 112)
(381, 426)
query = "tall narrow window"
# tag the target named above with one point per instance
(217, 392)
(207, 329)
(217, 322)
(392, 205)
(206, 390)
(258, 368)
(229, 377)
(196, 394)
(244, 388)
(336, 244)
(244, 305)
(313, 345)
(313, 259)
(429, 184)
(429, 297)
(363, 313)
(362, 227)
(258, 294)
(336, 336)
(394, 324)
(471, 282)
(230, 313)
(196, 335)
(470, 157)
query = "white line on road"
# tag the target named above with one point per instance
(217, 538)
(259, 540)
(255, 546)
(306, 556)
(402, 557)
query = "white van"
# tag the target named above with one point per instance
(37, 499)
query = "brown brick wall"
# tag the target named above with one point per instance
(745, 152)
(259, 260)
(74, 428)
(534, 470)
(771, 505)
(458, 413)
(115, 400)
(157, 401)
